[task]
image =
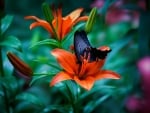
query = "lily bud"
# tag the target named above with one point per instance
(20, 66)
(91, 20)
(47, 12)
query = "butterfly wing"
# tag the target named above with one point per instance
(81, 43)
(102, 52)
(82, 46)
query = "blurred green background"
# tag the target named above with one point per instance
(121, 24)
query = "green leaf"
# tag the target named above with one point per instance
(11, 85)
(103, 88)
(58, 108)
(49, 61)
(5, 23)
(36, 37)
(42, 77)
(72, 90)
(95, 103)
(118, 30)
(29, 97)
(26, 107)
(11, 41)
(118, 45)
(50, 42)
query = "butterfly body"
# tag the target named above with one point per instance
(84, 49)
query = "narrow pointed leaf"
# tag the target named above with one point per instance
(5, 23)
(95, 103)
(52, 108)
(31, 98)
(50, 42)
(11, 41)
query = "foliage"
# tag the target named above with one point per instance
(129, 41)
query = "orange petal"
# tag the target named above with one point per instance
(66, 59)
(86, 83)
(106, 74)
(90, 68)
(94, 67)
(60, 77)
(34, 18)
(59, 23)
(83, 18)
(75, 14)
(66, 26)
(41, 23)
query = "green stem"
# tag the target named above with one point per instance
(74, 108)
(60, 45)
(1, 63)
(72, 99)
(6, 99)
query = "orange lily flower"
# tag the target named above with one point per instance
(61, 26)
(85, 74)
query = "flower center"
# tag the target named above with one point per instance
(82, 69)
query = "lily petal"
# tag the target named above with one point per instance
(75, 14)
(94, 67)
(59, 21)
(83, 18)
(34, 18)
(66, 59)
(66, 26)
(90, 68)
(60, 77)
(86, 83)
(40, 22)
(106, 74)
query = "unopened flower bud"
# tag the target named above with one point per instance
(91, 20)
(47, 12)
(20, 66)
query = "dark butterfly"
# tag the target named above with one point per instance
(83, 48)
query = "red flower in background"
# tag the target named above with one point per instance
(144, 68)
(142, 105)
(116, 14)
(98, 3)
(133, 104)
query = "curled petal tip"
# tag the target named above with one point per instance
(26, 17)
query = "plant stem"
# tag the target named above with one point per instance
(74, 108)
(72, 99)
(1, 63)
(6, 99)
